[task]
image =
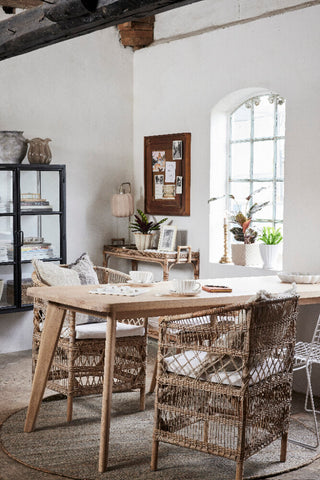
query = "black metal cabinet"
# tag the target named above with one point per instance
(32, 225)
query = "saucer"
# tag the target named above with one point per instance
(174, 293)
(139, 284)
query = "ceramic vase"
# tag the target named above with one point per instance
(39, 151)
(13, 147)
(270, 255)
(143, 241)
(246, 254)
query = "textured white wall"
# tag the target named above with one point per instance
(79, 94)
(210, 14)
(176, 86)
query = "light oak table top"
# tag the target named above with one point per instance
(155, 300)
(158, 300)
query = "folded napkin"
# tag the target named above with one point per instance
(119, 290)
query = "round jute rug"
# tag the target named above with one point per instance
(72, 449)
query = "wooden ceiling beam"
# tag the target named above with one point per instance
(64, 19)
(20, 3)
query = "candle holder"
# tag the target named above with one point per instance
(225, 258)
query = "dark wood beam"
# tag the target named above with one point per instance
(20, 3)
(64, 19)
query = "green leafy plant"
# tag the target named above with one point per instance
(142, 224)
(271, 236)
(242, 231)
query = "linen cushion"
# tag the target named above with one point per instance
(98, 330)
(84, 267)
(264, 370)
(190, 363)
(53, 275)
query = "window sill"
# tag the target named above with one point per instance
(231, 270)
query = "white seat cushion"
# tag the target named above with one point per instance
(190, 363)
(98, 330)
(195, 364)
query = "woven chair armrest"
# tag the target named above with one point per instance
(102, 274)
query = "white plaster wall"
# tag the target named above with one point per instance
(79, 94)
(176, 85)
(211, 14)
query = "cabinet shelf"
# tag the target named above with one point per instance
(29, 233)
(45, 212)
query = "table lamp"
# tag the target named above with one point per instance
(122, 204)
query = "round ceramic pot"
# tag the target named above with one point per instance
(39, 151)
(270, 255)
(13, 147)
(143, 241)
(245, 254)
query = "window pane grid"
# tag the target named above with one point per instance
(256, 173)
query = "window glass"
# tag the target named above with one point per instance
(241, 124)
(263, 159)
(257, 155)
(240, 160)
(263, 120)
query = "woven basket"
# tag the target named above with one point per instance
(25, 283)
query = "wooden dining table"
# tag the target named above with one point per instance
(156, 300)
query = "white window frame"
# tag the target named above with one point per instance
(274, 179)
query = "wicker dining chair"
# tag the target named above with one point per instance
(77, 367)
(224, 380)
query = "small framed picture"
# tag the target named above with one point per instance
(169, 191)
(167, 240)
(178, 185)
(177, 150)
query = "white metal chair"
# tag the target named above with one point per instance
(305, 355)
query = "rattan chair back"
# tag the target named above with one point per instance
(224, 379)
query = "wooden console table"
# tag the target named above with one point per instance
(166, 259)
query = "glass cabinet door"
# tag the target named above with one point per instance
(32, 225)
(40, 219)
(40, 237)
(6, 239)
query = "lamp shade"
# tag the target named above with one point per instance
(122, 203)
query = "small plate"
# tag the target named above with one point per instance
(137, 284)
(298, 277)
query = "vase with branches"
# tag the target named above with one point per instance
(242, 218)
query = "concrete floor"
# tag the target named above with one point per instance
(15, 387)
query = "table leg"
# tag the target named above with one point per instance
(107, 393)
(134, 265)
(49, 339)
(196, 269)
(165, 267)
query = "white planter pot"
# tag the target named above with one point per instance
(246, 254)
(270, 255)
(143, 240)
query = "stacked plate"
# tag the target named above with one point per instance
(298, 277)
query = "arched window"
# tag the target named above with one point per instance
(255, 156)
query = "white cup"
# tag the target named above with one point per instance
(187, 286)
(139, 276)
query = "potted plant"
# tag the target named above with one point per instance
(143, 230)
(245, 252)
(270, 247)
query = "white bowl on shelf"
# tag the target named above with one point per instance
(298, 277)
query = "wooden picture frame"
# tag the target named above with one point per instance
(167, 239)
(166, 159)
